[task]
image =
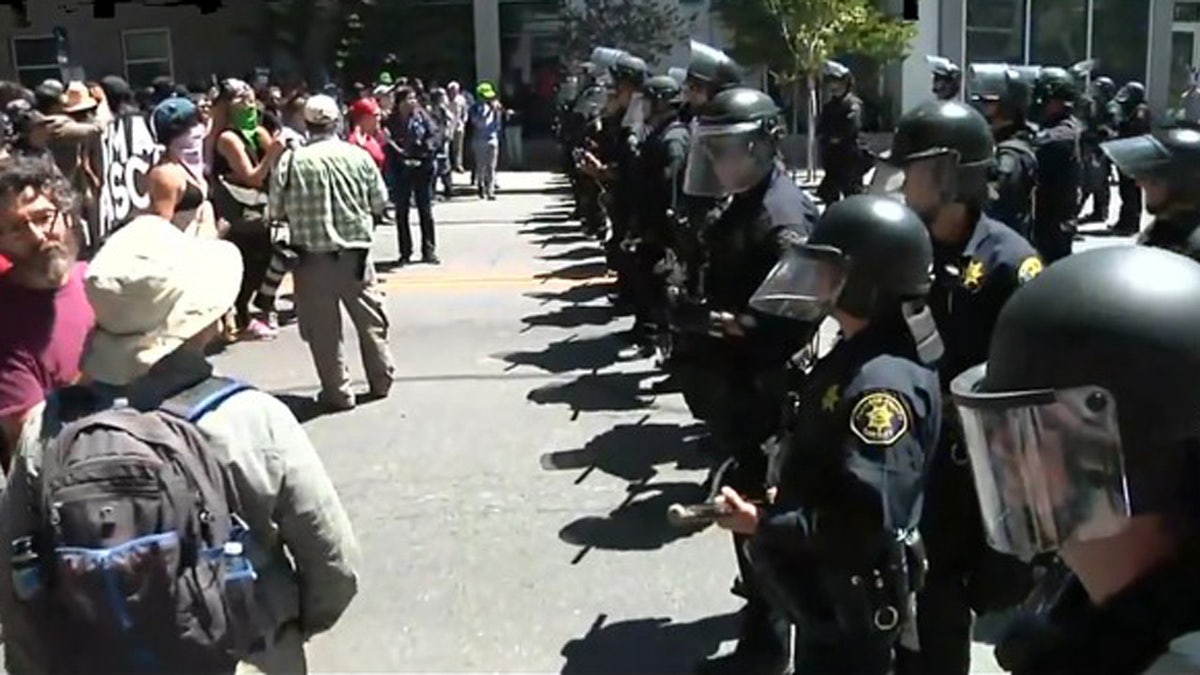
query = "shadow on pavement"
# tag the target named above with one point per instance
(577, 272)
(573, 316)
(575, 295)
(551, 227)
(651, 646)
(632, 451)
(577, 253)
(639, 524)
(570, 354)
(564, 240)
(306, 408)
(596, 392)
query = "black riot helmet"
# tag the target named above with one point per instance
(631, 69)
(947, 77)
(1169, 157)
(1104, 89)
(838, 79)
(1131, 95)
(1085, 411)
(734, 143)
(1053, 84)
(944, 152)
(604, 58)
(709, 72)
(999, 90)
(662, 91)
(869, 257)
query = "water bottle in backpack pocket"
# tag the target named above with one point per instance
(139, 552)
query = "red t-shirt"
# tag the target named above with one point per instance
(42, 334)
(4, 264)
(370, 144)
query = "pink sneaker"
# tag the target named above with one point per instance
(257, 330)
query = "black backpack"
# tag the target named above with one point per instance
(138, 556)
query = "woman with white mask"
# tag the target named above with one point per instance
(178, 189)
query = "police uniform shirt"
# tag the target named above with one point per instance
(1060, 172)
(853, 459)
(970, 288)
(744, 245)
(1014, 179)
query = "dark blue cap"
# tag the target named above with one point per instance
(173, 117)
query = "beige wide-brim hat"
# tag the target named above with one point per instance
(152, 288)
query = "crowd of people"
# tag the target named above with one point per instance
(1001, 424)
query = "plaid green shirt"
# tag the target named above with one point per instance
(329, 193)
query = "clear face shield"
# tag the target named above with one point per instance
(1048, 464)
(804, 285)
(924, 184)
(728, 159)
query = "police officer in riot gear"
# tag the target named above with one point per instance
(659, 179)
(945, 151)
(710, 71)
(835, 547)
(947, 77)
(1088, 448)
(622, 129)
(839, 136)
(1133, 119)
(1060, 168)
(1098, 127)
(1002, 93)
(1166, 165)
(738, 378)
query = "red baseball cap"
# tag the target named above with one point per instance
(4, 264)
(364, 107)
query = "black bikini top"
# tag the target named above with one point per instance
(191, 199)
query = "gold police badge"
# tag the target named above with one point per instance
(830, 399)
(879, 418)
(1030, 268)
(973, 276)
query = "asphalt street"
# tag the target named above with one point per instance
(510, 495)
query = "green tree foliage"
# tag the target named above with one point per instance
(648, 28)
(793, 38)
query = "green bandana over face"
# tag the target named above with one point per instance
(245, 121)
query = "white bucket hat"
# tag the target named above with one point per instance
(152, 288)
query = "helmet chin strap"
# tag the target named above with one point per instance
(924, 331)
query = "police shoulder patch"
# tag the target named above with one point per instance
(1029, 268)
(879, 418)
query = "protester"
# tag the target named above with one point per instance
(364, 117)
(458, 109)
(43, 287)
(411, 155)
(486, 118)
(178, 189)
(158, 295)
(243, 157)
(330, 193)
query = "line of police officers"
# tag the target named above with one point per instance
(982, 435)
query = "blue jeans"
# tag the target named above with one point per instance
(415, 183)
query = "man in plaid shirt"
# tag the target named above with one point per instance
(330, 193)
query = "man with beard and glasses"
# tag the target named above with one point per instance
(44, 314)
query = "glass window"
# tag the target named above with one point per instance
(33, 52)
(36, 60)
(147, 56)
(1120, 39)
(1058, 32)
(996, 31)
(147, 46)
(1183, 46)
(1187, 11)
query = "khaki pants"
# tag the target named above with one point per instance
(456, 149)
(323, 283)
(284, 657)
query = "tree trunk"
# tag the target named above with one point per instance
(811, 136)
